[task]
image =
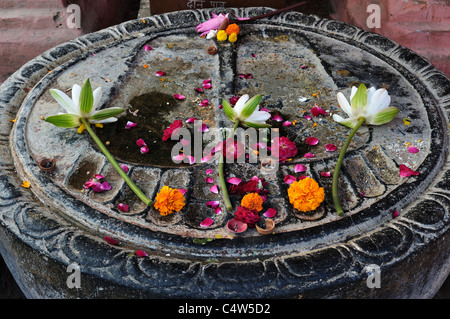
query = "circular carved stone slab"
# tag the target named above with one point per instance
(297, 62)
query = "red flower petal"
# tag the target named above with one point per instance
(160, 73)
(316, 111)
(309, 155)
(270, 213)
(199, 90)
(277, 117)
(206, 222)
(209, 180)
(405, 171)
(140, 142)
(311, 141)
(191, 120)
(123, 208)
(203, 128)
(214, 189)
(129, 125)
(299, 168)
(289, 179)
(325, 174)
(144, 149)
(213, 204)
(395, 214)
(330, 147)
(217, 210)
(111, 241)
(287, 123)
(179, 96)
(205, 102)
(141, 253)
(234, 180)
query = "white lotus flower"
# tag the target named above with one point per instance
(371, 104)
(247, 111)
(83, 104)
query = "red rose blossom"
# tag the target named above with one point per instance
(250, 217)
(286, 148)
(169, 131)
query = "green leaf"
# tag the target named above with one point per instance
(229, 111)
(86, 98)
(250, 106)
(384, 116)
(359, 100)
(64, 120)
(106, 113)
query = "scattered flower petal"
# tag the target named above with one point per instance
(179, 157)
(246, 76)
(184, 142)
(325, 174)
(209, 180)
(182, 190)
(277, 117)
(395, 214)
(209, 171)
(234, 180)
(206, 222)
(214, 189)
(217, 210)
(191, 120)
(203, 128)
(147, 47)
(316, 111)
(311, 141)
(179, 96)
(307, 117)
(213, 204)
(302, 177)
(205, 102)
(123, 207)
(129, 125)
(111, 241)
(405, 171)
(299, 168)
(124, 168)
(289, 179)
(140, 142)
(199, 90)
(287, 123)
(330, 147)
(144, 149)
(270, 213)
(191, 159)
(141, 253)
(173, 128)
(309, 155)
(160, 73)
(413, 149)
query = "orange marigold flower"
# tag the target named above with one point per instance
(232, 28)
(306, 195)
(169, 200)
(252, 201)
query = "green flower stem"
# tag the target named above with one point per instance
(117, 167)
(337, 205)
(223, 185)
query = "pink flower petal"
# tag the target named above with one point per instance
(144, 149)
(299, 168)
(206, 222)
(213, 204)
(234, 180)
(203, 128)
(311, 141)
(179, 157)
(129, 125)
(277, 117)
(316, 111)
(214, 189)
(160, 73)
(270, 213)
(207, 84)
(395, 214)
(302, 177)
(206, 81)
(191, 159)
(179, 96)
(287, 123)
(147, 47)
(309, 155)
(413, 149)
(217, 210)
(111, 241)
(325, 174)
(141, 253)
(330, 147)
(98, 176)
(289, 179)
(123, 208)
(209, 180)
(191, 120)
(124, 168)
(405, 171)
(307, 117)
(199, 90)
(182, 190)
(184, 142)
(140, 142)
(205, 102)
(264, 109)
(209, 171)
(207, 158)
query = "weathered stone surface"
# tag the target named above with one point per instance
(296, 62)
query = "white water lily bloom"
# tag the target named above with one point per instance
(83, 104)
(247, 111)
(371, 104)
